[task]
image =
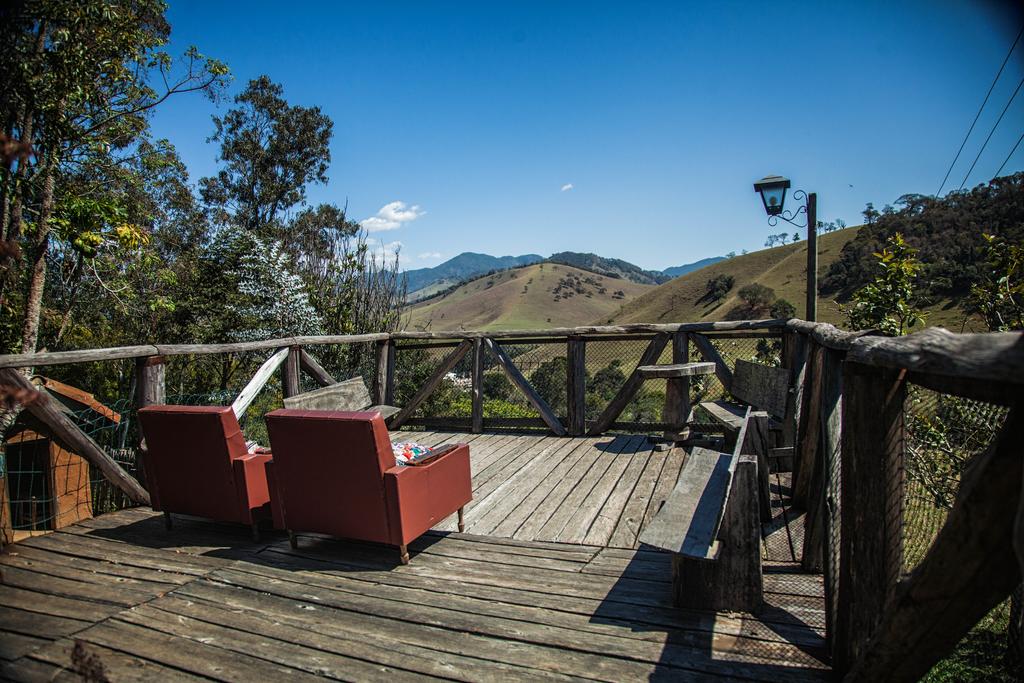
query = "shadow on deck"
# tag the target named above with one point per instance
(205, 601)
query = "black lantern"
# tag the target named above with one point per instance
(773, 193)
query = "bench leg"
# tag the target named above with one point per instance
(256, 532)
(293, 540)
(462, 523)
(403, 554)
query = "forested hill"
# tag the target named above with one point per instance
(610, 267)
(948, 233)
(463, 267)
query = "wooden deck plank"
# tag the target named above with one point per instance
(572, 510)
(630, 521)
(204, 601)
(666, 482)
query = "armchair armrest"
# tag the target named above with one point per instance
(420, 496)
(251, 481)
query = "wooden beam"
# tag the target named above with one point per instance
(68, 433)
(754, 441)
(710, 353)
(629, 389)
(548, 415)
(718, 326)
(150, 384)
(576, 386)
(677, 392)
(315, 370)
(968, 570)
(872, 500)
(290, 369)
(258, 381)
(384, 377)
(809, 425)
(676, 370)
(428, 387)
(478, 386)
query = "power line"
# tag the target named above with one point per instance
(1001, 114)
(1007, 160)
(980, 109)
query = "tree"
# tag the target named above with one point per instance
(782, 309)
(549, 379)
(887, 302)
(870, 214)
(999, 294)
(270, 151)
(717, 287)
(81, 79)
(757, 297)
(796, 237)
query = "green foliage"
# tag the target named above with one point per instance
(781, 308)
(717, 287)
(757, 298)
(497, 386)
(886, 303)
(549, 379)
(270, 152)
(999, 293)
(947, 231)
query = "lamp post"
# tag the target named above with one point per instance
(773, 195)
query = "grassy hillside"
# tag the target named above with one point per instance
(781, 268)
(537, 296)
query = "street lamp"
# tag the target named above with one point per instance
(772, 189)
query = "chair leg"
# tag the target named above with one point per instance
(403, 554)
(167, 521)
(462, 523)
(256, 532)
(293, 540)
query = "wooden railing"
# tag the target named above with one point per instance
(847, 410)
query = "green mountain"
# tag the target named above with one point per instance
(609, 267)
(460, 268)
(677, 271)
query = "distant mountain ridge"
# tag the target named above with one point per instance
(422, 283)
(609, 267)
(677, 271)
(463, 267)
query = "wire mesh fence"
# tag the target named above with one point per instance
(943, 433)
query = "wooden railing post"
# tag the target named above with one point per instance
(677, 392)
(290, 370)
(478, 385)
(150, 381)
(872, 504)
(576, 386)
(384, 378)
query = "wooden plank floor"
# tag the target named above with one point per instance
(204, 601)
(597, 490)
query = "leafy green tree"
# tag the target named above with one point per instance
(269, 151)
(887, 302)
(717, 287)
(80, 81)
(757, 298)
(782, 308)
(497, 386)
(999, 294)
(549, 379)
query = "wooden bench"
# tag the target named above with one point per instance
(350, 395)
(711, 523)
(766, 390)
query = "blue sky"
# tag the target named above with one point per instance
(633, 129)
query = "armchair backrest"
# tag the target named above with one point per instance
(189, 451)
(329, 467)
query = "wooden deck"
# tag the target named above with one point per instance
(204, 601)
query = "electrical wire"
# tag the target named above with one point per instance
(996, 125)
(1007, 160)
(980, 109)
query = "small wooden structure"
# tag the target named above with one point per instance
(48, 482)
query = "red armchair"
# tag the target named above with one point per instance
(335, 473)
(196, 463)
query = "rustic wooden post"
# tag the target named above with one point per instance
(808, 427)
(677, 392)
(872, 504)
(576, 386)
(309, 365)
(384, 378)
(478, 385)
(290, 370)
(794, 358)
(150, 381)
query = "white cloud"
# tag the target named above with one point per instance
(567, 187)
(391, 217)
(430, 254)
